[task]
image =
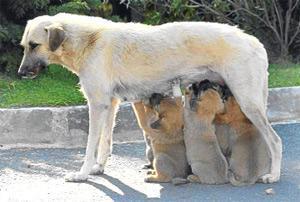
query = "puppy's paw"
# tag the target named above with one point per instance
(97, 169)
(193, 179)
(178, 181)
(75, 177)
(155, 178)
(269, 178)
(235, 180)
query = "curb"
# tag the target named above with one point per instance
(284, 104)
(68, 126)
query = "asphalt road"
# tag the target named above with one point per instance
(37, 175)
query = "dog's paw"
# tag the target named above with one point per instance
(147, 166)
(269, 178)
(148, 179)
(75, 177)
(97, 170)
(179, 181)
(193, 179)
(151, 172)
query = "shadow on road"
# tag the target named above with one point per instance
(130, 194)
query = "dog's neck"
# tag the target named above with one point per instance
(65, 58)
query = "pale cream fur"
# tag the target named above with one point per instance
(133, 61)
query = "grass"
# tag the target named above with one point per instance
(59, 87)
(284, 76)
(56, 87)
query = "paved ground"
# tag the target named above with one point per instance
(37, 175)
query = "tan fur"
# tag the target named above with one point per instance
(208, 164)
(248, 160)
(167, 141)
(218, 51)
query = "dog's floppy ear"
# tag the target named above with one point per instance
(56, 35)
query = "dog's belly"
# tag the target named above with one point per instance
(133, 92)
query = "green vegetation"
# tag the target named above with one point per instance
(278, 31)
(284, 76)
(59, 87)
(56, 87)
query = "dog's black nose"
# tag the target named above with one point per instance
(22, 71)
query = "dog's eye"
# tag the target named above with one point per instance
(33, 45)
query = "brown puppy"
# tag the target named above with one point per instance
(248, 155)
(162, 121)
(203, 102)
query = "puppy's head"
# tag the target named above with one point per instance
(207, 95)
(41, 39)
(168, 114)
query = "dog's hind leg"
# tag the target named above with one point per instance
(105, 142)
(249, 88)
(273, 142)
(140, 114)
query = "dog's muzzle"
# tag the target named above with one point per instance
(31, 72)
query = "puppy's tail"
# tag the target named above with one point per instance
(179, 181)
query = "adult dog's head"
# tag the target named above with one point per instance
(41, 39)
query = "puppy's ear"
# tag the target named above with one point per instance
(226, 92)
(155, 99)
(56, 35)
(195, 88)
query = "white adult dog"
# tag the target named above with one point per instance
(130, 61)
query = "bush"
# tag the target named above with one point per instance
(11, 53)
(157, 12)
(275, 22)
(14, 15)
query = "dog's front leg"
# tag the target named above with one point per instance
(98, 112)
(105, 142)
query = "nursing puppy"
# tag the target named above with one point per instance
(162, 121)
(248, 159)
(131, 61)
(203, 102)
